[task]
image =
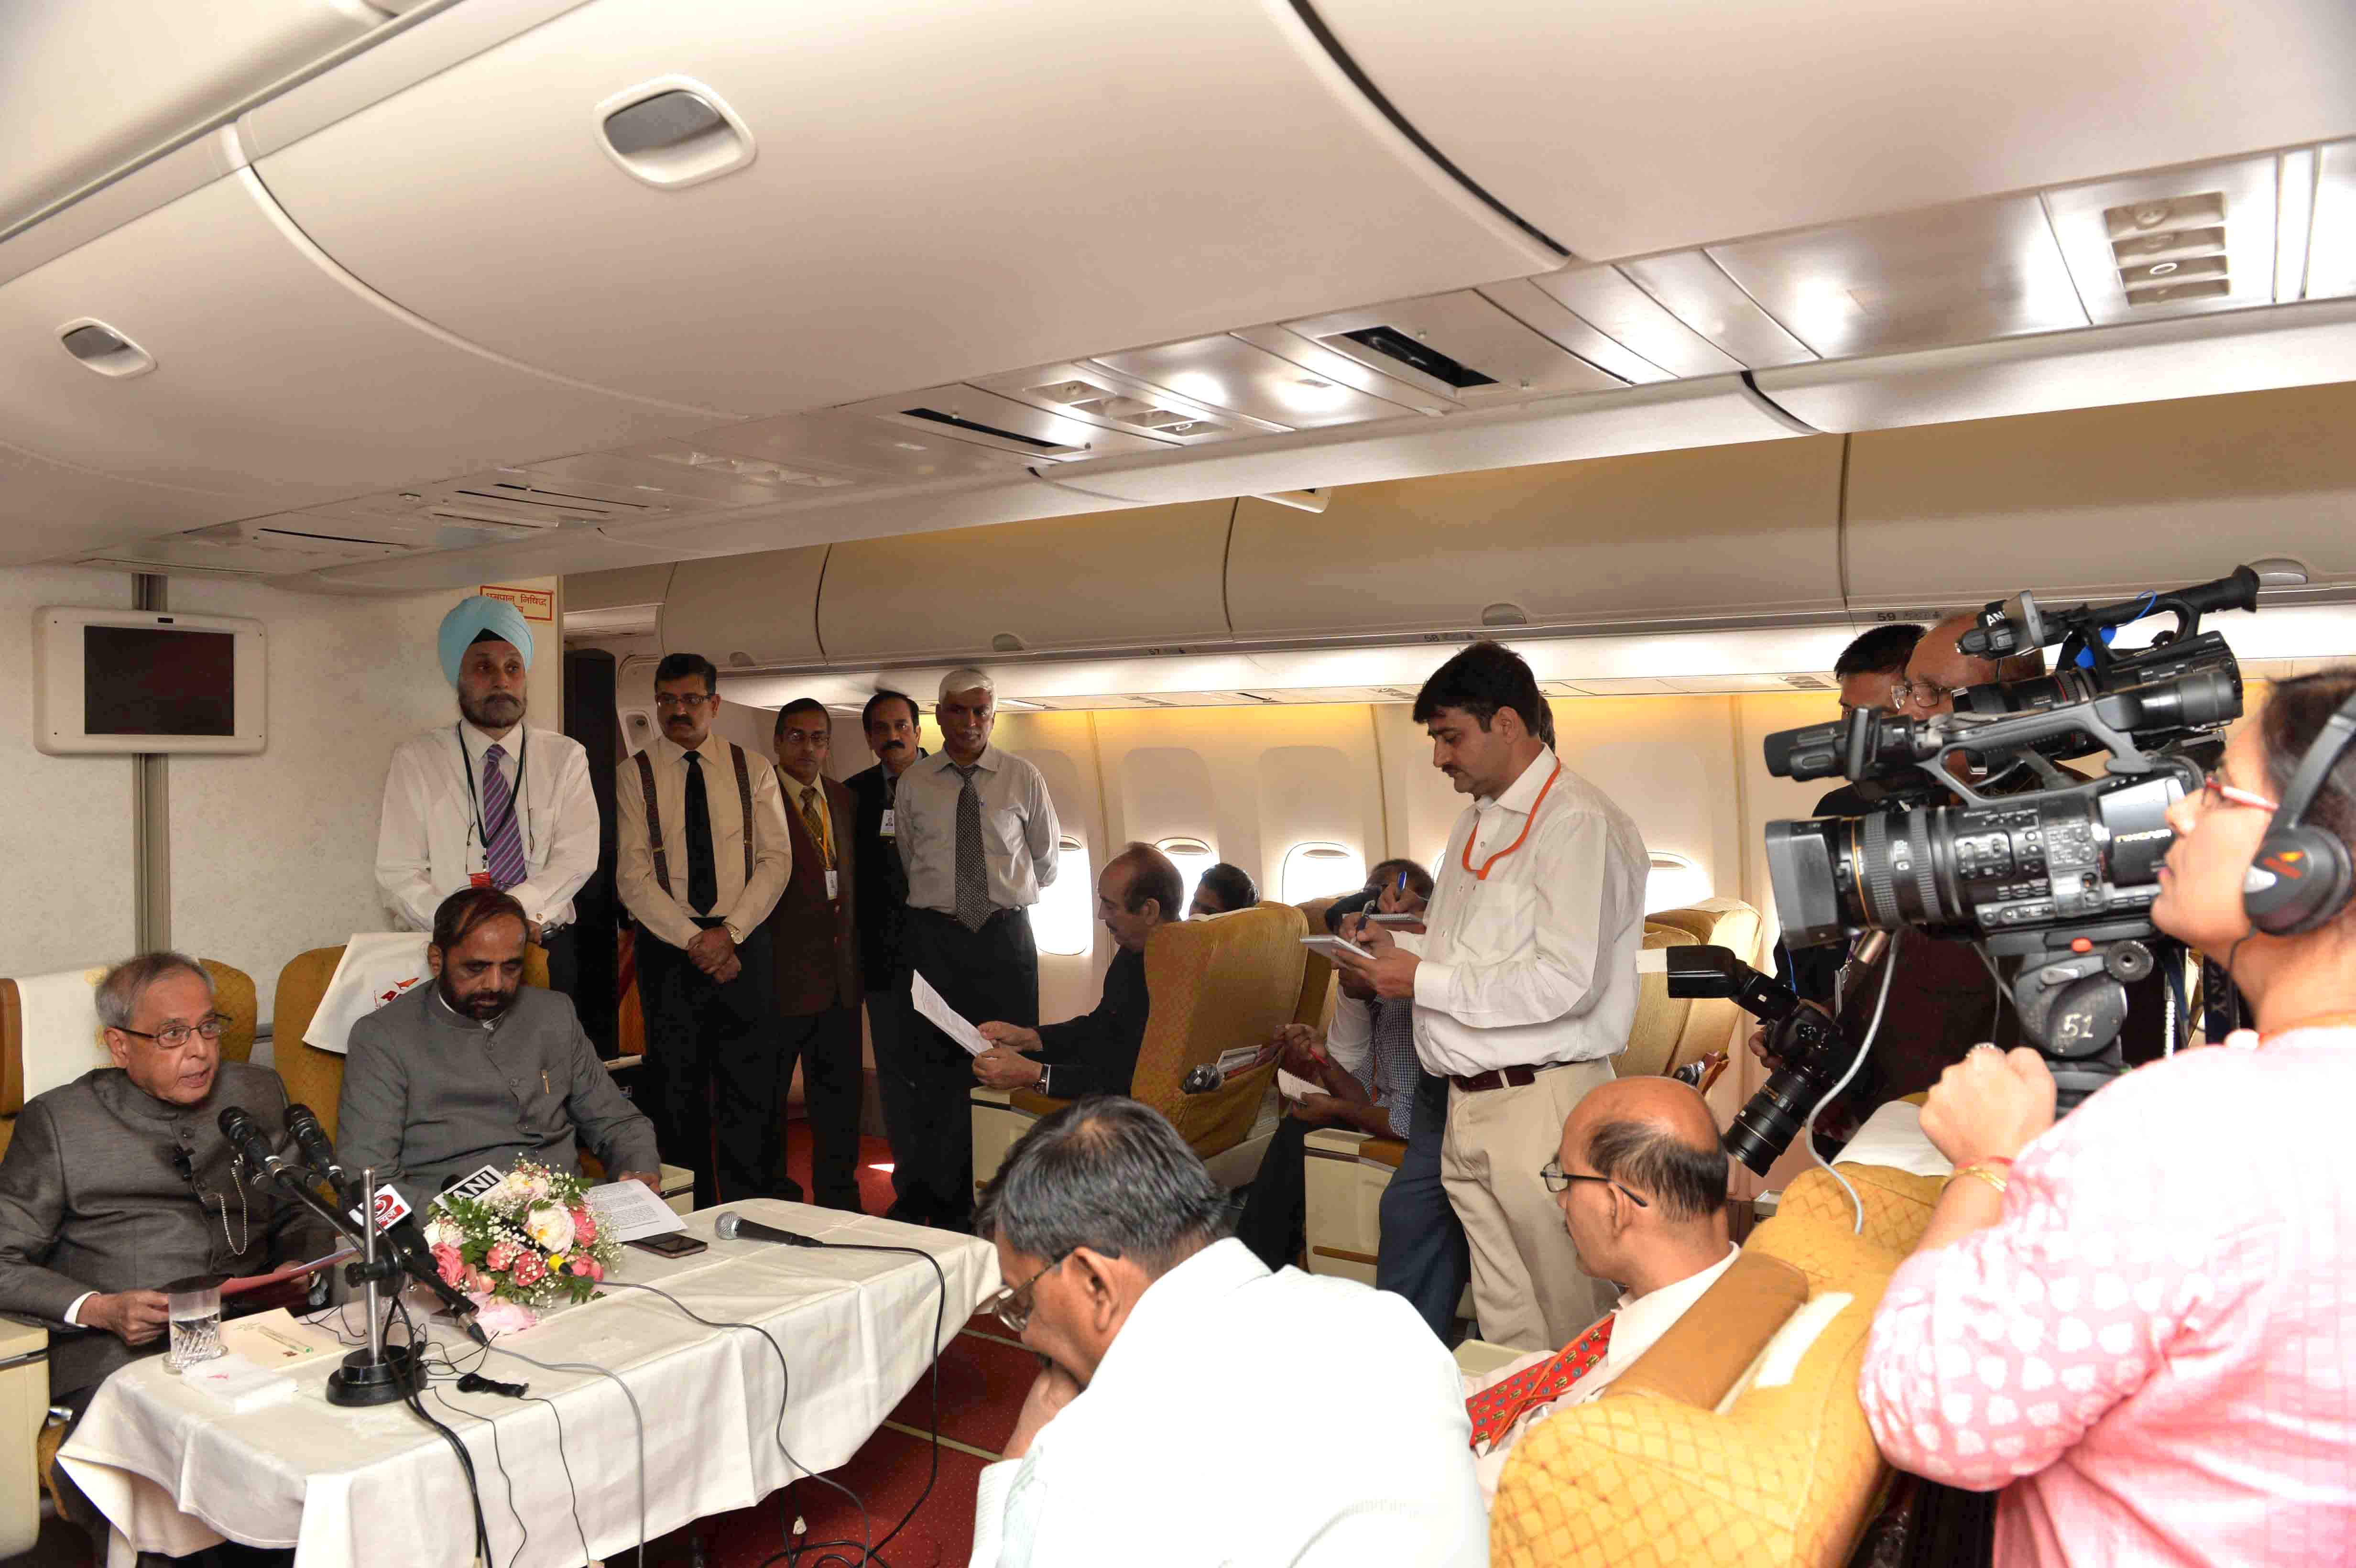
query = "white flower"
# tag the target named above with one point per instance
(441, 1232)
(513, 1192)
(536, 1186)
(550, 1227)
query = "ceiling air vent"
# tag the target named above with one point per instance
(1808, 683)
(105, 351)
(1089, 400)
(1504, 614)
(2170, 251)
(935, 416)
(1006, 643)
(1393, 344)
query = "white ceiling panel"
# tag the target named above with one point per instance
(1226, 372)
(1621, 127)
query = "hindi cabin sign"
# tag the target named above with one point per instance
(537, 603)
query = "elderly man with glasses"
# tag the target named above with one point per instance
(1641, 1181)
(1144, 1439)
(119, 1183)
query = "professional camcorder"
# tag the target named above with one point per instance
(1808, 1044)
(2036, 864)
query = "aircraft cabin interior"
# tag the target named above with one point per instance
(1197, 385)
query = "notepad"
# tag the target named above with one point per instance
(239, 1383)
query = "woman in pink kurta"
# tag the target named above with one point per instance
(2144, 1326)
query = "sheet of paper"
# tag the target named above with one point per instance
(944, 1017)
(280, 1275)
(627, 1211)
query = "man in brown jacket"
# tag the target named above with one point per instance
(816, 935)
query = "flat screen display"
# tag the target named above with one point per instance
(145, 680)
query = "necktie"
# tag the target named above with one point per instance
(703, 875)
(973, 909)
(814, 818)
(1494, 1410)
(505, 850)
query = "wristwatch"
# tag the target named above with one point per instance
(734, 935)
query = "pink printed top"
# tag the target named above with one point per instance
(2156, 1345)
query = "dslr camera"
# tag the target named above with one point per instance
(2036, 864)
(1807, 1042)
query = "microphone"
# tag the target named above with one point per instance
(317, 1151)
(732, 1227)
(253, 1144)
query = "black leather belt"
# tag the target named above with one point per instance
(1515, 1077)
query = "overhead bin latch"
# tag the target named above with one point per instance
(673, 133)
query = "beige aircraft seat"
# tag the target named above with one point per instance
(49, 1035)
(1347, 1170)
(1316, 969)
(1736, 1439)
(1216, 985)
(316, 1077)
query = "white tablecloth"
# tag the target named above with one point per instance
(173, 1470)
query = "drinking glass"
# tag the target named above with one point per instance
(196, 1312)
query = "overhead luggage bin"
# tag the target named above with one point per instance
(165, 67)
(49, 511)
(748, 609)
(1149, 578)
(1719, 536)
(1630, 126)
(208, 346)
(897, 195)
(1957, 514)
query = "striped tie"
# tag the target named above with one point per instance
(505, 848)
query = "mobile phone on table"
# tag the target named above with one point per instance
(674, 1245)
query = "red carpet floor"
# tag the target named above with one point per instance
(983, 1377)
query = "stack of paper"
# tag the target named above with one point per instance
(239, 1383)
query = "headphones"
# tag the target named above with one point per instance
(2300, 876)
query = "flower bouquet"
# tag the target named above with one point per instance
(532, 1239)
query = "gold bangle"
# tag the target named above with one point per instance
(1984, 1174)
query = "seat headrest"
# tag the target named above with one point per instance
(50, 1033)
(1720, 1336)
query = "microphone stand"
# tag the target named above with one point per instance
(381, 1374)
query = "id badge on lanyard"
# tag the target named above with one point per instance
(888, 830)
(833, 883)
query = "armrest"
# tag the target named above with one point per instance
(622, 1064)
(1337, 1143)
(1037, 1104)
(980, 1096)
(1478, 1358)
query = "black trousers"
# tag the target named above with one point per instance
(563, 949)
(1276, 1205)
(716, 1091)
(986, 974)
(826, 1045)
(1423, 1254)
(891, 1024)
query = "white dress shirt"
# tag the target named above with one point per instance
(744, 903)
(1538, 963)
(429, 841)
(1166, 1456)
(1018, 830)
(1638, 1322)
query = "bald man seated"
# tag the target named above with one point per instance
(1640, 1181)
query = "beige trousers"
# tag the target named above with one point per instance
(1528, 1290)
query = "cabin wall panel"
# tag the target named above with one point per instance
(1063, 747)
(65, 822)
(275, 854)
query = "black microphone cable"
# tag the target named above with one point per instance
(638, 1419)
(466, 1460)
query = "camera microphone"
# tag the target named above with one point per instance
(732, 1227)
(251, 1144)
(318, 1152)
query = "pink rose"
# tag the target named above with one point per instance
(584, 1226)
(582, 1265)
(449, 1264)
(478, 1283)
(596, 1271)
(501, 1257)
(528, 1269)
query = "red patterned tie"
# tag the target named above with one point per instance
(1494, 1410)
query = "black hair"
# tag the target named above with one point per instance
(867, 714)
(1481, 680)
(1109, 1174)
(1387, 873)
(2295, 714)
(1153, 877)
(464, 912)
(799, 705)
(1882, 651)
(1231, 885)
(1683, 1181)
(679, 667)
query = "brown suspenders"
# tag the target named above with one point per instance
(654, 813)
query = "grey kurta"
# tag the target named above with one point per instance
(429, 1095)
(92, 1198)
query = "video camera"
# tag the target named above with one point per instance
(2060, 875)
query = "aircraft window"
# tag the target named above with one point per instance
(1192, 857)
(1064, 920)
(1674, 883)
(1320, 870)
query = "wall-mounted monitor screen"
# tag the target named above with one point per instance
(115, 681)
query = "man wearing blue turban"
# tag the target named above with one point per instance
(486, 800)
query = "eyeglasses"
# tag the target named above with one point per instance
(681, 699)
(1558, 1180)
(1011, 1303)
(171, 1037)
(1905, 693)
(2215, 791)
